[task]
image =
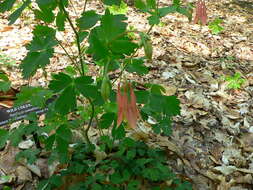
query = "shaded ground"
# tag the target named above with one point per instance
(212, 139)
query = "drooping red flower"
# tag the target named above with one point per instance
(127, 108)
(201, 15)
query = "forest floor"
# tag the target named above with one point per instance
(211, 143)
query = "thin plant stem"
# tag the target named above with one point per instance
(85, 5)
(77, 37)
(72, 60)
(86, 136)
(124, 67)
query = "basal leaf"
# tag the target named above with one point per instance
(63, 138)
(5, 84)
(30, 155)
(6, 5)
(34, 61)
(3, 137)
(60, 81)
(14, 16)
(37, 96)
(66, 101)
(88, 20)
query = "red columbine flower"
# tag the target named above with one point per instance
(127, 108)
(201, 14)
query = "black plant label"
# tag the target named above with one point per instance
(11, 115)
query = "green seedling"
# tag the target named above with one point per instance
(235, 82)
(118, 9)
(6, 61)
(5, 84)
(215, 26)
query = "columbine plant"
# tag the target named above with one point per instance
(93, 102)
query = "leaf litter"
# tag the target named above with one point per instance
(211, 142)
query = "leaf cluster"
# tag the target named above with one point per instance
(131, 165)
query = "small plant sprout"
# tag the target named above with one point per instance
(215, 26)
(235, 82)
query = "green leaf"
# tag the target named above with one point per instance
(4, 135)
(35, 60)
(60, 20)
(87, 20)
(16, 135)
(82, 36)
(49, 142)
(66, 101)
(5, 86)
(30, 155)
(112, 2)
(43, 39)
(14, 16)
(176, 3)
(136, 65)
(106, 120)
(37, 96)
(6, 5)
(60, 81)
(45, 15)
(154, 19)
(112, 25)
(119, 132)
(123, 46)
(151, 4)
(121, 9)
(46, 3)
(97, 45)
(63, 138)
(166, 10)
(185, 12)
(86, 88)
(140, 4)
(142, 96)
(84, 80)
(164, 126)
(157, 89)
(168, 105)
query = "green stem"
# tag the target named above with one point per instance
(86, 136)
(72, 60)
(124, 67)
(77, 36)
(7, 98)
